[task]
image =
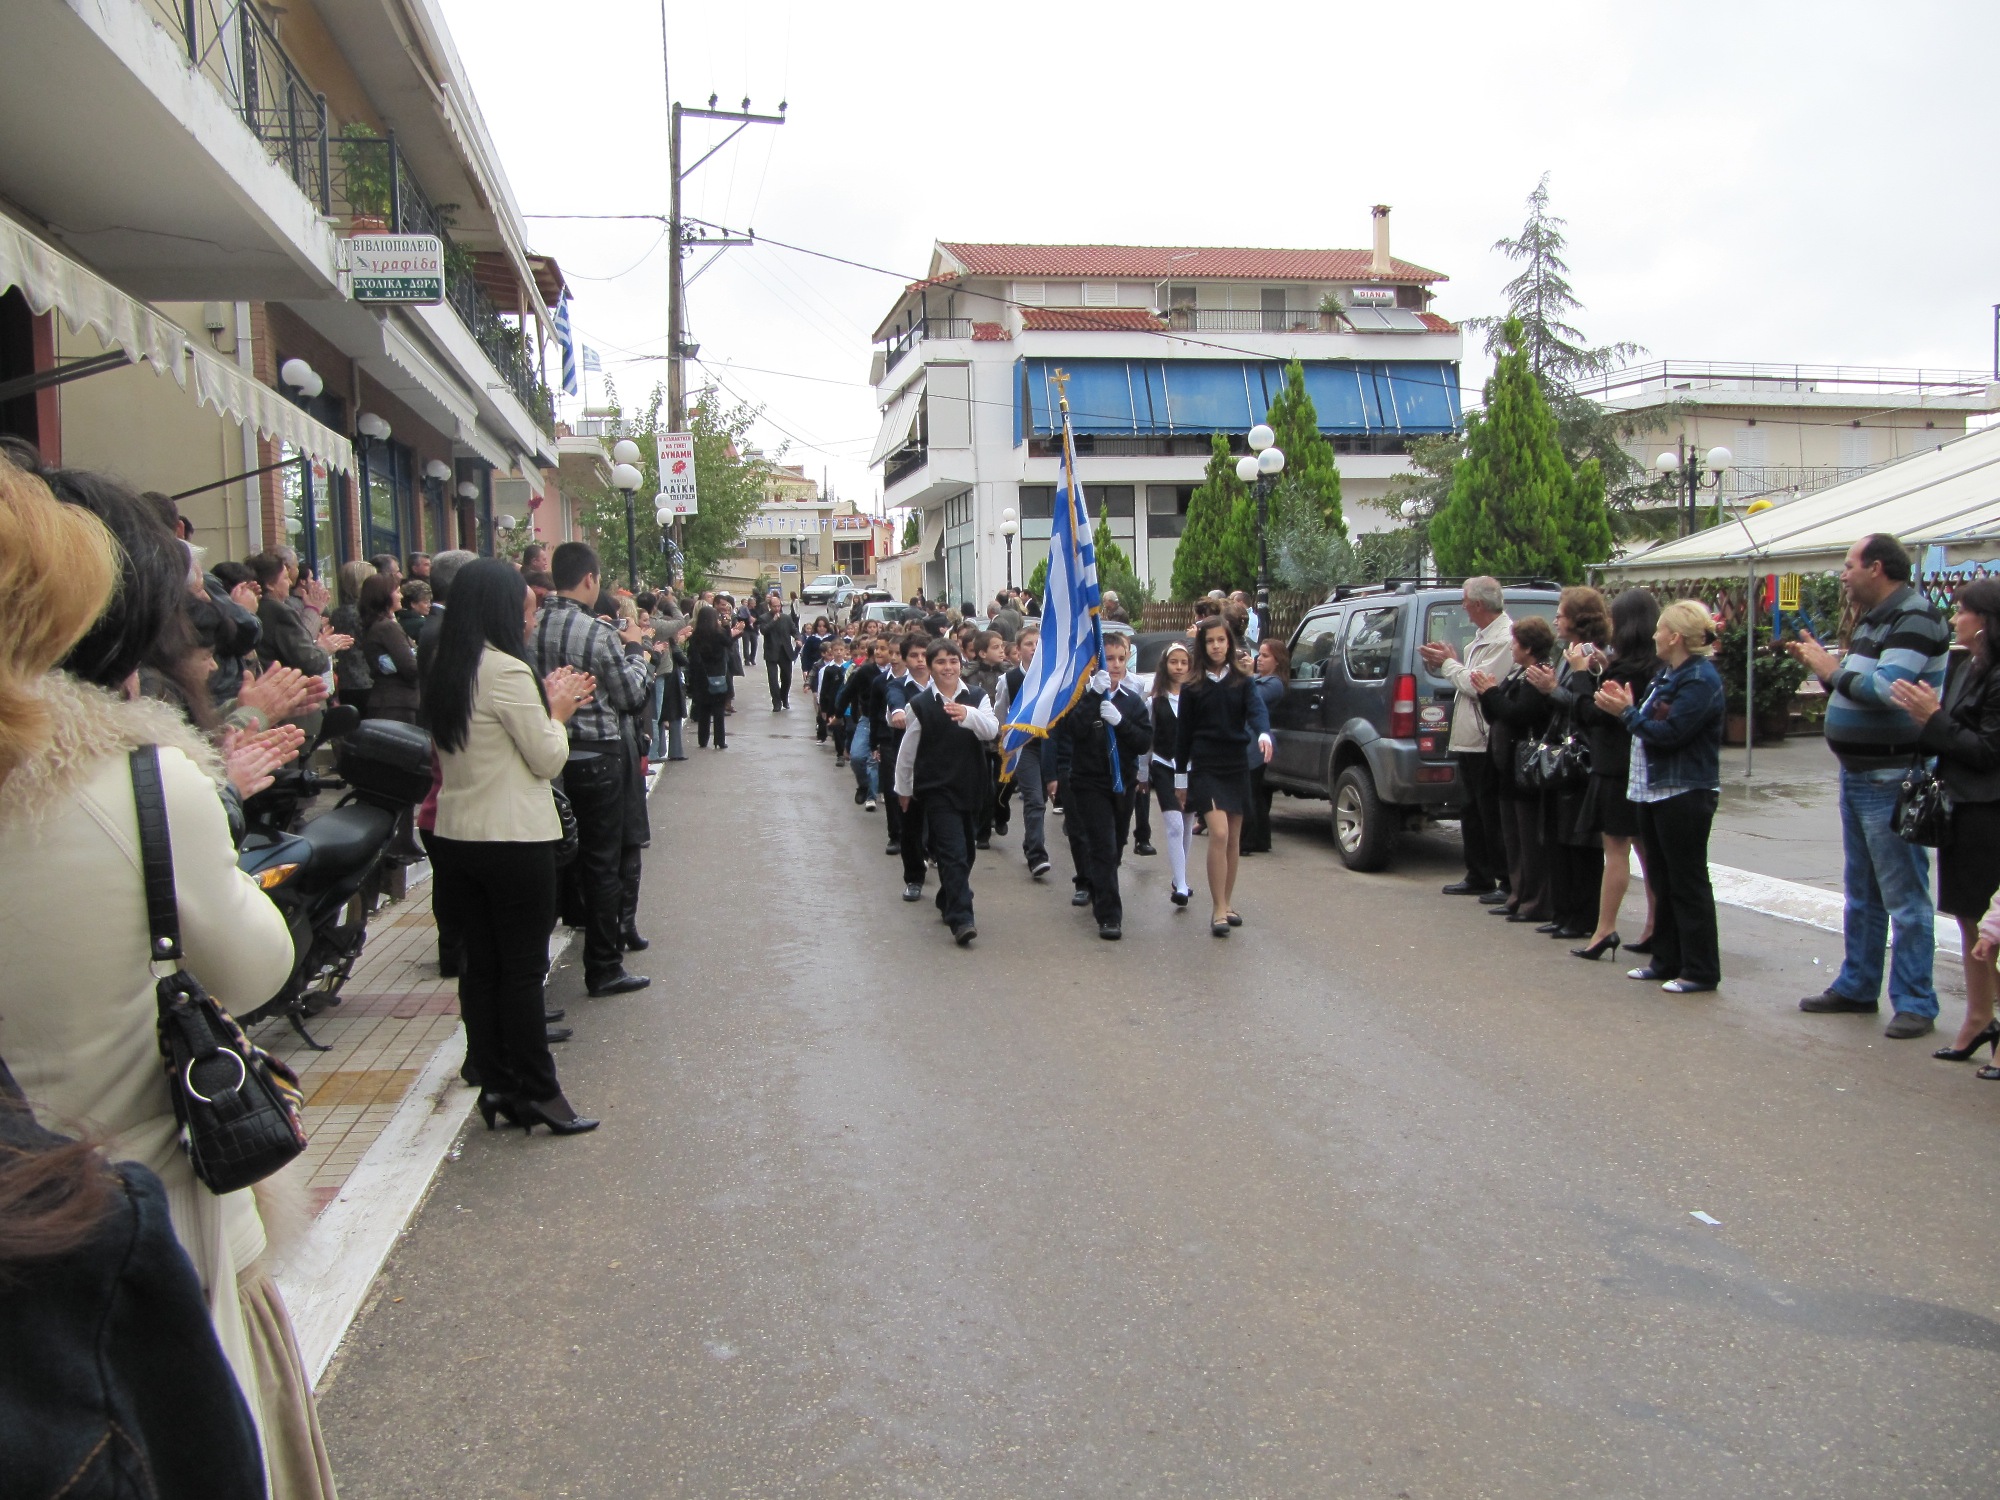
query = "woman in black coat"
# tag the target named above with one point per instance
(1962, 729)
(1221, 714)
(1572, 835)
(1631, 662)
(1516, 714)
(709, 654)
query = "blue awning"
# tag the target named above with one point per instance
(1157, 398)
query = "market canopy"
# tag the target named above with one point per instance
(1947, 497)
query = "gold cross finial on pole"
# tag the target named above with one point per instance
(1061, 379)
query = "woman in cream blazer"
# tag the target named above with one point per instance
(500, 739)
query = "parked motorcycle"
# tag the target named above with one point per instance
(326, 873)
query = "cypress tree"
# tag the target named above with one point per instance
(1200, 560)
(1515, 509)
(1309, 463)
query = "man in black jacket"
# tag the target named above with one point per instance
(943, 761)
(863, 698)
(1111, 714)
(781, 646)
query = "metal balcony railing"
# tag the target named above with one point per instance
(903, 463)
(899, 344)
(1671, 375)
(372, 188)
(1249, 320)
(232, 46)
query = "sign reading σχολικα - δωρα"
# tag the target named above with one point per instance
(395, 268)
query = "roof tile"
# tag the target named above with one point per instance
(989, 333)
(1098, 319)
(1164, 262)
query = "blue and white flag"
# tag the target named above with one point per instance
(1072, 641)
(568, 347)
(590, 359)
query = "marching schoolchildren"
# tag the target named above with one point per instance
(943, 760)
(1099, 745)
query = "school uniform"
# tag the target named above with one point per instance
(944, 763)
(1028, 781)
(906, 826)
(1222, 715)
(1095, 814)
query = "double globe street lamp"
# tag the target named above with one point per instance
(1700, 471)
(626, 478)
(1260, 468)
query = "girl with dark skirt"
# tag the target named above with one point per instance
(1631, 662)
(1962, 729)
(1221, 714)
(1170, 680)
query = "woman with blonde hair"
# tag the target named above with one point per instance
(1676, 779)
(79, 1026)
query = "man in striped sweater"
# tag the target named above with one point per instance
(1899, 637)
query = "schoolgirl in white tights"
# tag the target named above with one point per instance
(1176, 666)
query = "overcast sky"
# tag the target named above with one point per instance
(1782, 182)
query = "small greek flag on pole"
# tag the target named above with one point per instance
(568, 347)
(1072, 644)
(590, 359)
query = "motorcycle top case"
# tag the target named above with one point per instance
(387, 758)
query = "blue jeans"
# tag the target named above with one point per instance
(866, 775)
(1888, 885)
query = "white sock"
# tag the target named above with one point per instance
(1176, 825)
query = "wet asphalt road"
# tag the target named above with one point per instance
(1379, 1197)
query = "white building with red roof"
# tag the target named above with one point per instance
(1163, 346)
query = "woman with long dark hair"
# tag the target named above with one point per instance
(709, 654)
(500, 739)
(1631, 661)
(1516, 714)
(1221, 715)
(1273, 664)
(392, 660)
(1571, 837)
(1962, 729)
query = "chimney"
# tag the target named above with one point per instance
(1379, 266)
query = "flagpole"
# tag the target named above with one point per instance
(1079, 515)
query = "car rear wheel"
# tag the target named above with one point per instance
(1362, 826)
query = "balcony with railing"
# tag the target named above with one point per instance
(1250, 320)
(902, 342)
(231, 45)
(371, 189)
(1693, 379)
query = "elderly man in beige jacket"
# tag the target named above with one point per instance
(1488, 651)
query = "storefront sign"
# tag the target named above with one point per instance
(677, 492)
(395, 268)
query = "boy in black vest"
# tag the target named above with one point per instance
(1111, 718)
(943, 761)
(906, 818)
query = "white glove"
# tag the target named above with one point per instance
(1111, 714)
(1101, 683)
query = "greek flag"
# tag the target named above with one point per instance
(1072, 643)
(590, 359)
(568, 347)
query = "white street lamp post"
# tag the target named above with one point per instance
(1009, 524)
(626, 477)
(1261, 468)
(1700, 471)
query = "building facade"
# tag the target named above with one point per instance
(799, 532)
(174, 298)
(1163, 347)
(1790, 429)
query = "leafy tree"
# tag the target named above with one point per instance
(1212, 554)
(730, 474)
(1390, 554)
(913, 530)
(1038, 581)
(1115, 572)
(1515, 506)
(1308, 556)
(1310, 470)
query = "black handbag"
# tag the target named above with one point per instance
(1562, 764)
(1922, 813)
(566, 846)
(237, 1105)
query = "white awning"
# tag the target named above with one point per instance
(1948, 496)
(899, 421)
(49, 279)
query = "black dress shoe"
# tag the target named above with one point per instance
(620, 984)
(633, 943)
(1520, 916)
(913, 892)
(1111, 932)
(1570, 934)
(1467, 888)
(1143, 847)
(1496, 897)
(1508, 912)
(550, 1017)
(964, 935)
(558, 1034)
(893, 847)
(1550, 928)
(982, 843)
(1079, 898)
(1830, 1002)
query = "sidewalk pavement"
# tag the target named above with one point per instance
(1783, 821)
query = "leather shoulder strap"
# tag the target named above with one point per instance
(156, 856)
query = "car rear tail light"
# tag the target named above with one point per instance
(1403, 708)
(1428, 775)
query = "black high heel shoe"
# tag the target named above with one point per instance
(1596, 950)
(1644, 945)
(556, 1113)
(490, 1105)
(1991, 1035)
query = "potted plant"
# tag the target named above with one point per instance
(1778, 678)
(1329, 312)
(364, 160)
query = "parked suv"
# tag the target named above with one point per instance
(1364, 723)
(835, 589)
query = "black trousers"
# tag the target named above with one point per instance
(1257, 822)
(1527, 860)
(1480, 821)
(595, 781)
(1096, 816)
(1141, 804)
(1575, 874)
(709, 711)
(949, 832)
(778, 672)
(1073, 835)
(1675, 832)
(451, 945)
(501, 898)
(913, 838)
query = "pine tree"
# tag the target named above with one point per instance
(1115, 573)
(1515, 507)
(913, 530)
(1309, 463)
(1200, 560)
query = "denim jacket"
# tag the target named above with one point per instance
(1680, 724)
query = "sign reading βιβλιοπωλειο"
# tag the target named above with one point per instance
(395, 268)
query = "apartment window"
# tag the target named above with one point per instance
(1031, 293)
(1181, 296)
(1113, 499)
(850, 557)
(1271, 302)
(1100, 294)
(1038, 502)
